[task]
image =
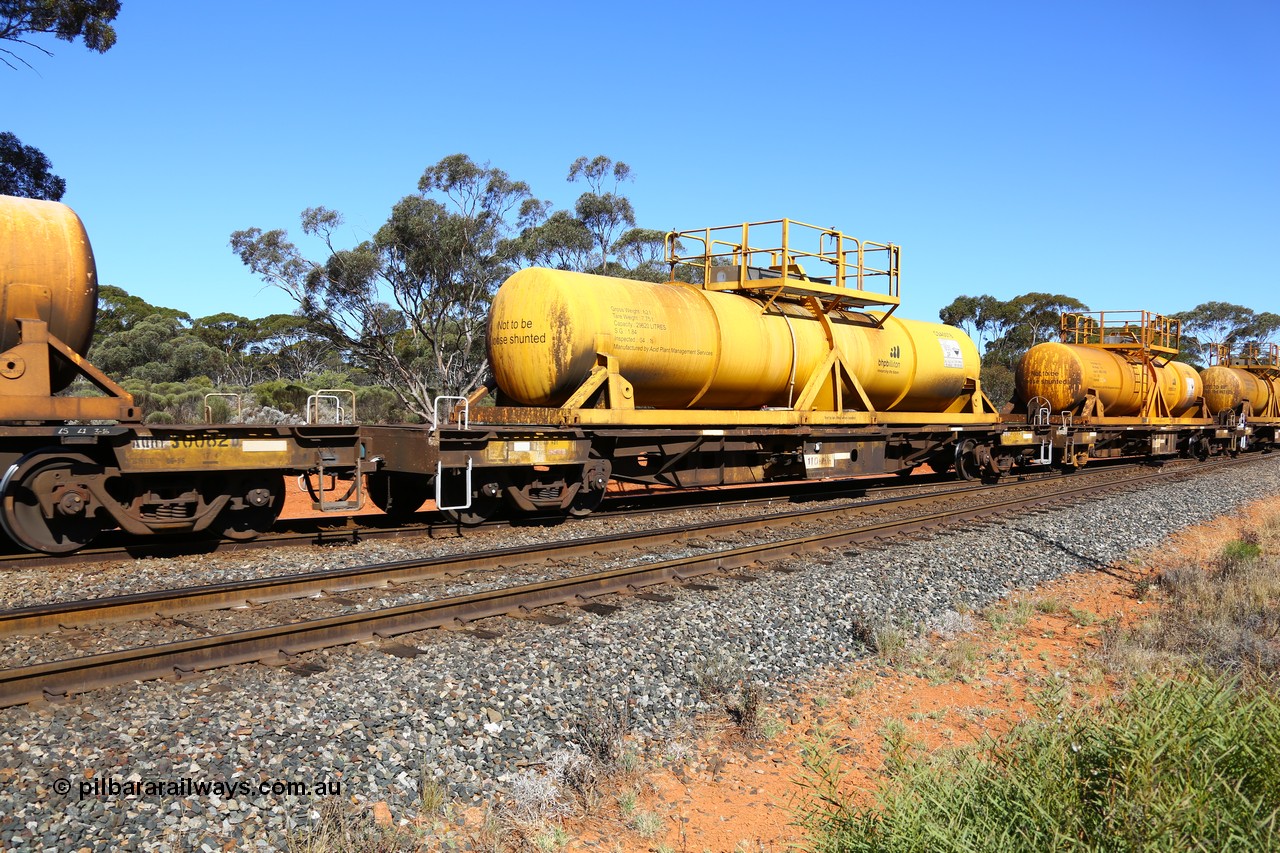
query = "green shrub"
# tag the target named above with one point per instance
(288, 397)
(1188, 764)
(1240, 551)
(375, 405)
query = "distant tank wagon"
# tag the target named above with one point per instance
(1248, 386)
(1112, 387)
(1116, 364)
(1244, 392)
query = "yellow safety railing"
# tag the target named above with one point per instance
(1219, 354)
(789, 255)
(1259, 358)
(1123, 330)
(1263, 355)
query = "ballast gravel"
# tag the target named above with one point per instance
(23, 587)
(218, 762)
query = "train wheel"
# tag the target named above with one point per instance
(968, 464)
(260, 501)
(483, 507)
(585, 502)
(595, 482)
(63, 524)
(398, 495)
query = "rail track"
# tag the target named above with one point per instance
(349, 530)
(284, 643)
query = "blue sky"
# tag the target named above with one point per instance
(1121, 152)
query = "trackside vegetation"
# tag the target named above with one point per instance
(1185, 757)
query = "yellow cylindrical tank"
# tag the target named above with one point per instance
(1180, 385)
(683, 347)
(1226, 387)
(47, 273)
(1064, 374)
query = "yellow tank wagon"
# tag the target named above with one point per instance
(752, 338)
(1111, 387)
(1243, 393)
(1247, 386)
(679, 346)
(772, 353)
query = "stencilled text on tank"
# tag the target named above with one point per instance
(1044, 378)
(638, 330)
(519, 331)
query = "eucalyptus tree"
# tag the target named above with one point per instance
(603, 210)
(26, 172)
(408, 305)
(158, 347)
(553, 238)
(1039, 318)
(983, 318)
(1213, 324)
(287, 349)
(642, 254)
(600, 233)
(24, 169)
(1263, 329)
(67, 20)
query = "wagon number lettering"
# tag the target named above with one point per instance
(177, 443)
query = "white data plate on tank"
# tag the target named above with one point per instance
(951, 355)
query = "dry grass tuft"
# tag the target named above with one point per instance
(339, 826)
(1224, 617)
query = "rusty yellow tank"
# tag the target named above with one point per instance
(47, 273)
(1227, 387)
(1064, 374)
(683, 347)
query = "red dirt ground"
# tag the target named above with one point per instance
(742, 802)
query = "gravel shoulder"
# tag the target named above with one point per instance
(472, 712)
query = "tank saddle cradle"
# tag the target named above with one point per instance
(28, 387)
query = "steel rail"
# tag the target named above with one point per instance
(335, 530)
(348, 529)
(281, 643)
(163, 603)
(41, 618)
